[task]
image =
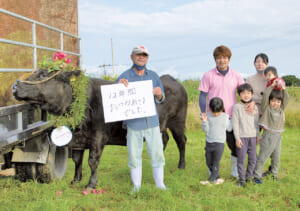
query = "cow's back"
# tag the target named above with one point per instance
(173, 111)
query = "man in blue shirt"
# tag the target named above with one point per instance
(147, 127)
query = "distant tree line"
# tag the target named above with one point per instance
(291, 80)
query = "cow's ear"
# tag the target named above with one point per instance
(66, 75)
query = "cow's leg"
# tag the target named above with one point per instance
(165, 138)
(180, 138)
(94, 158)
(77, 156)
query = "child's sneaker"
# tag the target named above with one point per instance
(219, 181)
(257, 181)
(204, 182)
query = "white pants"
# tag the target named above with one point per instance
(135, 143)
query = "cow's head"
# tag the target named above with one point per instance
(52, 91)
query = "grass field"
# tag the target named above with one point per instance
(184, 191)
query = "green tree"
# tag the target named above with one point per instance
(291, 80)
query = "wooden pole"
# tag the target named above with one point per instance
(112, 57)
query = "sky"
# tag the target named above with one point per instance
(182, 35)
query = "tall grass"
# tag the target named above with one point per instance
(191, 86)
(294, 92)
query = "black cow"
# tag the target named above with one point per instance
(55, 96)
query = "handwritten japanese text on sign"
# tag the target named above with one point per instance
(122, 103)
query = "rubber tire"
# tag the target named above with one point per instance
(56, 166)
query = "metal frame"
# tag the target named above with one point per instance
(34, 46)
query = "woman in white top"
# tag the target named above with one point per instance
(258, 81)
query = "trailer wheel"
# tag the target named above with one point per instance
(56, 166)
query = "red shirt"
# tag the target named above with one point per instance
(280, 81)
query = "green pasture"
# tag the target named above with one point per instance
(184, 190)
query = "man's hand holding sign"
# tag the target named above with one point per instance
(134, 100)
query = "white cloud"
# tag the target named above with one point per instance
(235, 18)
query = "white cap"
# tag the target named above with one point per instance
(140, 49)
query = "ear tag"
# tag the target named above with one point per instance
(73, 78)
